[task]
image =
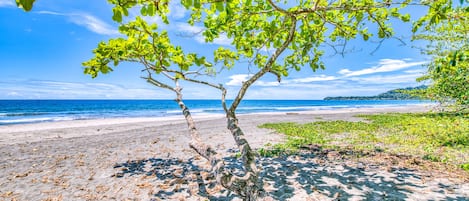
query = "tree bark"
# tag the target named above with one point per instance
(247, 186)
(253, 186)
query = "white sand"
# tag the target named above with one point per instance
(149, 158)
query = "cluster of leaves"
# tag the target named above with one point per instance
(437, 136)
(145, 45)
(258, 30)
(27, 5)
(446, 29)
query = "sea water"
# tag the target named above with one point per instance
(32, 111)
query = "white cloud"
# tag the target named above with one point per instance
(27, 89)
(266, 84)
(312, 79)
(88, 21)
(184, 27)
(391, 79)
(421, 71)
(237, 80)
(196, 32)
(93, 24)
(13, 93)
(350, 83)
(314, 91)
(176, 10)
(7, 3)
(222, 40)
(345, 71)
(384, 65)
(51, 13)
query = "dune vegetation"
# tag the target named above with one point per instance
(438, 137)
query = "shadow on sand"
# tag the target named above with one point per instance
(283, 177)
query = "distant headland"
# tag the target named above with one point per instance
(395, 94)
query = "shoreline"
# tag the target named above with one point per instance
(40, 113)
(145, 159)
(34, 132)
(205, 116)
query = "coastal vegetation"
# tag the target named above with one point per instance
(438, 137)
(395, 94)
(446, 31)
(274, 37)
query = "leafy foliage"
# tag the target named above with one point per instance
(259, 30)
(434, 136)
(446, 29)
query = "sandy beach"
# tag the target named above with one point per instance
(149, 159)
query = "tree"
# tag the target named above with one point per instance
(274, 36)
(446, 28)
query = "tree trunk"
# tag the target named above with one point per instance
(248, 186)
(253, 184)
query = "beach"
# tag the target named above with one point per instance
(150, 159)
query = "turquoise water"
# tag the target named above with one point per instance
(32, 111)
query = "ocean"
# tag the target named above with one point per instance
(33, 111)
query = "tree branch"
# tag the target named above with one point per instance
(267, 68)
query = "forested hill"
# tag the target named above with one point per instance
(389, 95)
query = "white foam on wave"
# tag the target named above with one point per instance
(198, 111)
(35, 120)
(173, 111)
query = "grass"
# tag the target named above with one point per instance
(440, 137)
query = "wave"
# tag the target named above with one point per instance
(35, 120)
(306, 108)
(79, 110)
(198, 111)
(22, 114)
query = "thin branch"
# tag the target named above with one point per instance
(166, 74)
(158, 83)
(278, 8)
(267, 67)
(381, 26)
(220, 87)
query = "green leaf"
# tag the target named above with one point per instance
(143, 11)
(381, 33)
(359, 16)
(366, 37)
(27, 5)
(229, 10)
(197, 4)
(125, 11)
(179, 76)
(220, 6)
(117, 16)
(186, 3)
(151, 9)
(208, 64)
(405, 18)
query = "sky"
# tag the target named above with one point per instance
(41, 54)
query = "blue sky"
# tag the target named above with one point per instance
(41, 54)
